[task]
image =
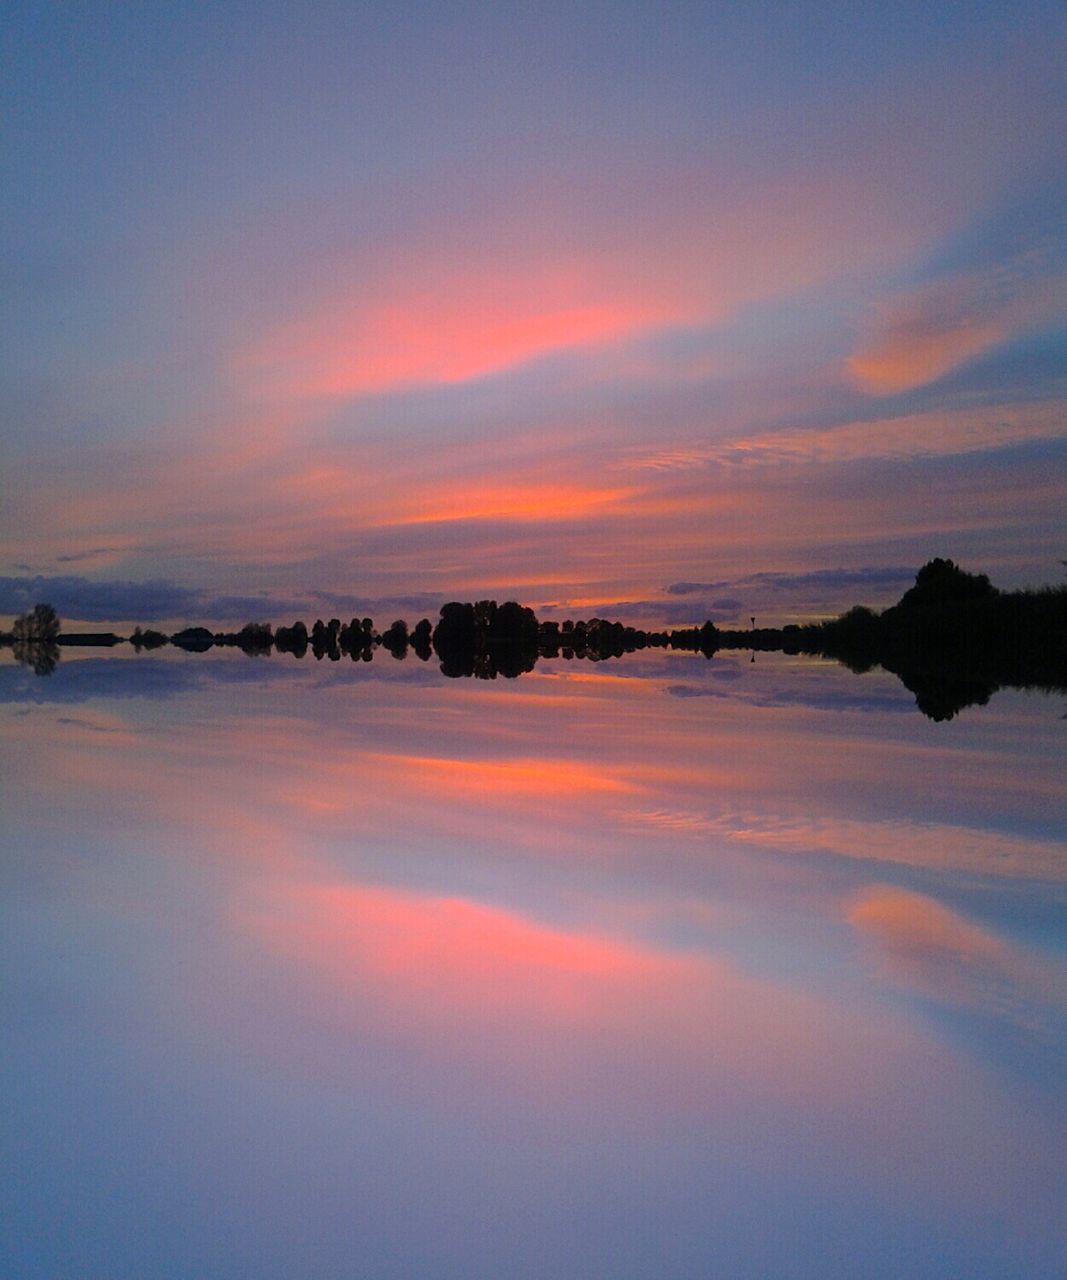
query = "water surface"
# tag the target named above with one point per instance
(666, 967)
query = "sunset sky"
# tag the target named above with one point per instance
(674, 309)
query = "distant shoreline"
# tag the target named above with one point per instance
(953, 639)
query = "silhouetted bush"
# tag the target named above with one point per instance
(148, 639)
(194, 639)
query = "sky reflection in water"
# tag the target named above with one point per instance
(669, 967)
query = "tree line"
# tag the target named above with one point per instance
(953, 639)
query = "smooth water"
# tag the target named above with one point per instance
(663, 967)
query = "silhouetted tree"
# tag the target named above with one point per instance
(456, 625)
(421, 639)
(324, 639)
(34, 637)
(292, 639)
(39, 626)
(453, 639)
(350, 640)
(941, 582)
(395, 639)
(255, 638)
(941, 696)
(511, 623)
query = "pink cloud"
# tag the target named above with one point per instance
(451, 320)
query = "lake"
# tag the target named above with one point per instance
(658, 967)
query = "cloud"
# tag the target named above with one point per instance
(935, 433)
(157, 677)
(919, 336)
(661, 613)
(99, 601)
(921, 944)
(586, 258)
(93, 678)
(90, 600)
(933, 846)
(823, 578)
(475, 983)
(919, 339)
(831, 700)
(94, 554)
(461, 316)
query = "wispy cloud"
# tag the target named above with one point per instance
(823, 578)
(96, 553)
(937, 433)
(928, 845)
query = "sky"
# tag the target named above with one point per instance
(621, 308)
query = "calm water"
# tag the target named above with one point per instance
(657, 968)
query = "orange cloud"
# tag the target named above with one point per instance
(505, 779)
(924, 945)
(517, 502)
(925, 334)
(917, 350)
(911, 924)
(585, 1022)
